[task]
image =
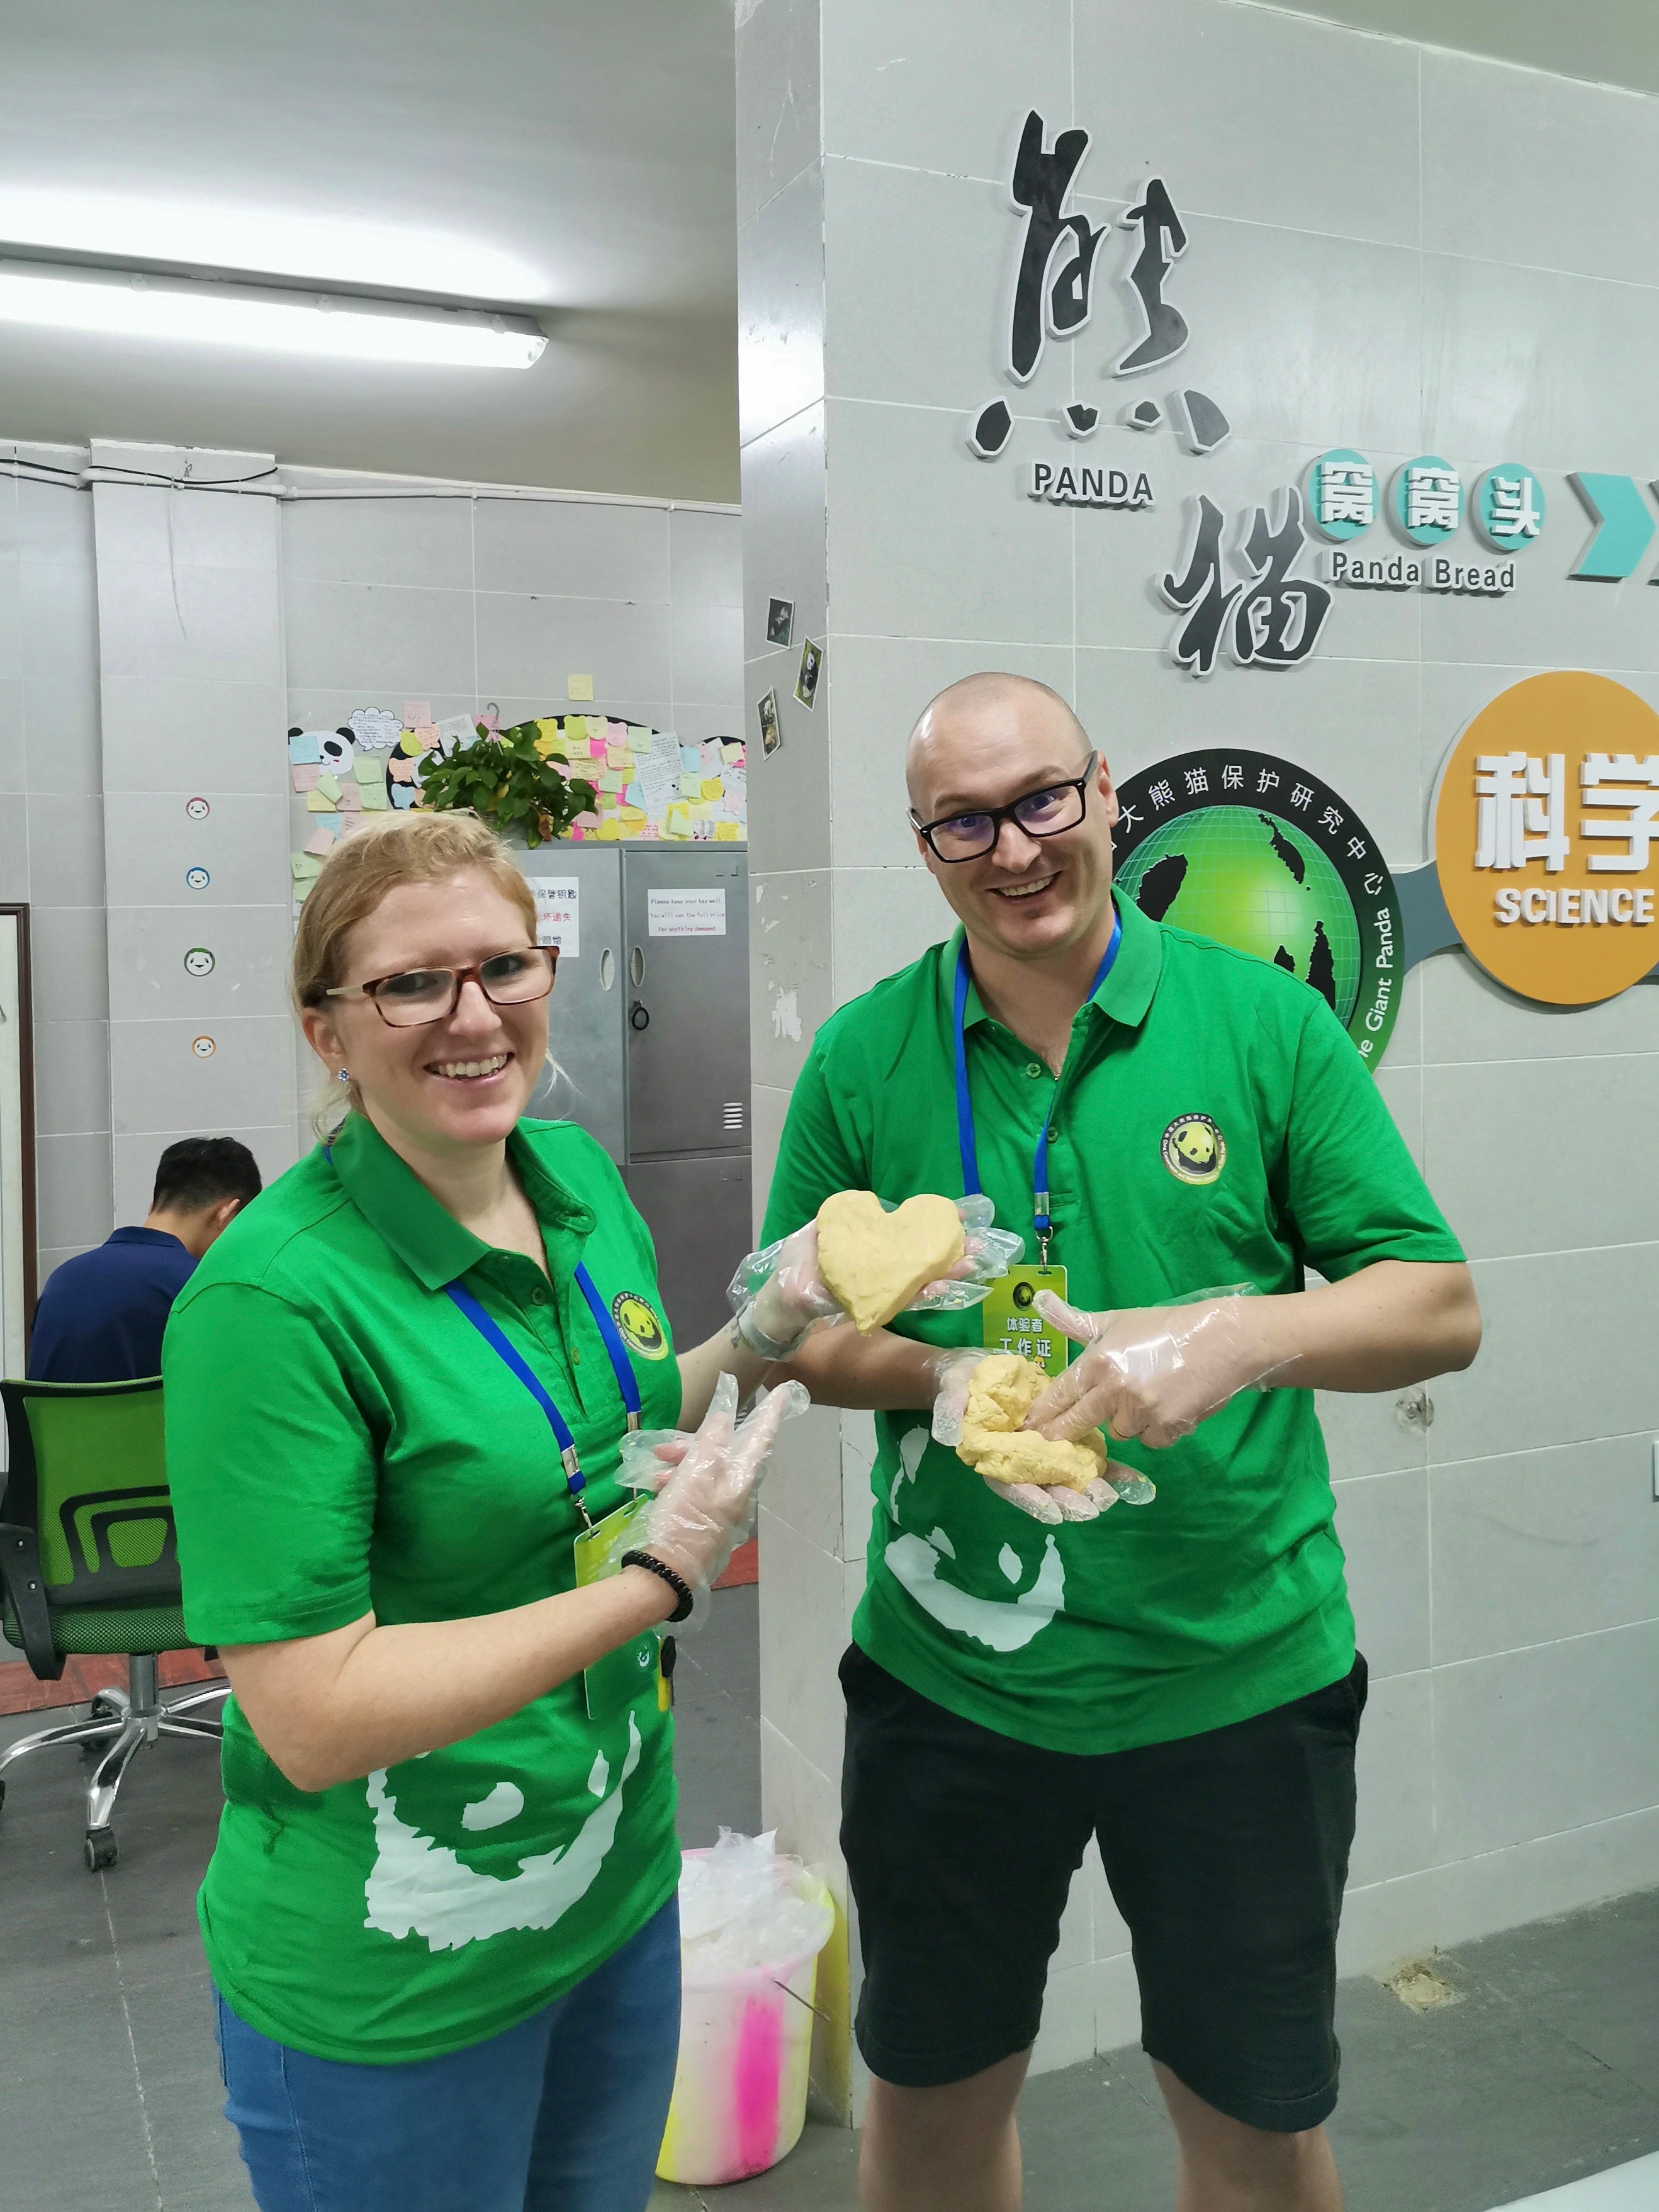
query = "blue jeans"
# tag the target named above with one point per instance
(563, 2113)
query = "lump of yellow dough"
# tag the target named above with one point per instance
(875, 1262)
(1001, 1391)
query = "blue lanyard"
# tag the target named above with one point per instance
(1041, 1218)
(627, 1382)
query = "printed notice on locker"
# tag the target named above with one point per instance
(558, 915)
(686, 914)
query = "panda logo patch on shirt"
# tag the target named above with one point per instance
(1193, 1149)
(638, 1325)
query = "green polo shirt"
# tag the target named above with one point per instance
(1225, 1597)
(341, 1438)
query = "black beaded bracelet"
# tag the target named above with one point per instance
(683, 1610)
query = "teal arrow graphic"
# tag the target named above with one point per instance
(1625, 526)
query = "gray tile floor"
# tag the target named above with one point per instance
(1545, 2068)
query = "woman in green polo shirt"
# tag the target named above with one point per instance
(441, 1913)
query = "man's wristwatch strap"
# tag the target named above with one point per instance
(655, 1567)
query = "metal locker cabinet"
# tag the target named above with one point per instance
(686, 915)
(685, 911)
(586, 1012)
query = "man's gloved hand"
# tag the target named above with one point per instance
(952, 1372)
(1153, 1372)
(780, 1296)
(706, 1485)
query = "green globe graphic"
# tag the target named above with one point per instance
(1255, 883)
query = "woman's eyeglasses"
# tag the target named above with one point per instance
(419, 995)
(1042, 813)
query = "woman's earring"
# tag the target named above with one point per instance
(344, 1076)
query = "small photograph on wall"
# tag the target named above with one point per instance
(780, 622)
(811, 666)
(771, 735)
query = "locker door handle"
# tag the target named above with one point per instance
(639, 1016)
(636, 966)
(607, 968)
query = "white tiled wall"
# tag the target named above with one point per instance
(51, 842)
(461, 600)
(1391, 248)
(155, 645)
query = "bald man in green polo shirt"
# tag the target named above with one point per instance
(1029, 1666)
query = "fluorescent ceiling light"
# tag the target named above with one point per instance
(263, 319)
(283, 244)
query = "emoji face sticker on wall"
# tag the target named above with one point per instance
(638, 1325)
(199, 961)
(1193, 1149)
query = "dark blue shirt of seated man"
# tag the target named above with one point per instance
(101, 1316)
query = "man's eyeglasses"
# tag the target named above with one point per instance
(421, 995)
(1042, 813)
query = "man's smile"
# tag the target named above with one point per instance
(1026, 890)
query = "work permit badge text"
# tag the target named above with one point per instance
(1010, 1322)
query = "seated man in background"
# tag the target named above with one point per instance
(101, 1316)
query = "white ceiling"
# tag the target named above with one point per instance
(575, 156)
(572, 156)
(1603, 41)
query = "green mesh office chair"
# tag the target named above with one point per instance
(90, 1564)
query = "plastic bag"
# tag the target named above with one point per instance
(741, 1909)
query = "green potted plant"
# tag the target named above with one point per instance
(508, 782)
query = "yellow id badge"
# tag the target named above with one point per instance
(611, 1684)
(1010, 1322)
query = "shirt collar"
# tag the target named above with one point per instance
(142, 1235)
(1125, 995)
(428, 1240)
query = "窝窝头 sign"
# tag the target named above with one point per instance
(1547, 837)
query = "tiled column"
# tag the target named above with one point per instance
(195, 834)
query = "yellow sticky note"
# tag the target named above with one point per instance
(609, 828)
(712, 788)
(579, 687)
(677, 821)
(700, 809)
(728, 832)
(631, 814)
(691, 786)
(548, 724)
(375, 798)
(317, 801)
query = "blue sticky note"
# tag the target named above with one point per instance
(691, 759)
(633, 796)
(304, 748)
(403, 794)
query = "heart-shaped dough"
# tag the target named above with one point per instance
(875, 1262)
(1001, 1391)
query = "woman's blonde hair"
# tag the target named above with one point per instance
(408, 849)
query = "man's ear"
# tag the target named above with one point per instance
(1107, 791)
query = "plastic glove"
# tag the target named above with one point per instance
(952, 1371)
(1153, 1372)
(706, 1485)
(779, 1297)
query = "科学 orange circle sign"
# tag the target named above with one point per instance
(1547, 837)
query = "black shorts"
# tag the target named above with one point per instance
(1226, 1854)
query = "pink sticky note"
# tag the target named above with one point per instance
(587, 821)
(649, 830)
(616, 732)
(351, 824)
(351, 799)
(305, 779)
(320, 842)
(417, 714)
(399, 767)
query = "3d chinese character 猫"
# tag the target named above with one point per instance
(1059, 304)
(1154, 216)
(1521, 813)
(1620, 782)
(1200, 592)
(1280, 614)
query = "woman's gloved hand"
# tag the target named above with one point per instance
(706, 1485)
(779, 1295)
(1153, 1372)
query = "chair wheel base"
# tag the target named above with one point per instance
(2, 1789)
(99, 1849)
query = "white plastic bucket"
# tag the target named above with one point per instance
(739, 2100)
